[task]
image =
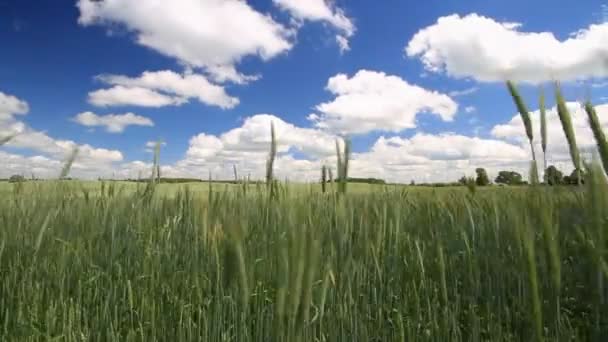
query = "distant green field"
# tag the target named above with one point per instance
(82, 261)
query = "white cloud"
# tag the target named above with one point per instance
(343, 43)
(37, 166)
(10, 106)
(437, 158)
(132, 96)
(113, 123)
(423, 157)
(160, 88)
(371, 101)
(321, 10)
(557, 145)
(210, 34)
(90, 159)
(464, 92)
(252, 139)
(470, 109)
(490, 51)
(151, 145)
(599, 85)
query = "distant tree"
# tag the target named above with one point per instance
(412, 183)
(482, 177)
(463, 180)
(573, 178)
(16, 178)
(509, 178)
(553, 176)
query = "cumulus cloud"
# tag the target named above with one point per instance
(211, 34)
(113, 123)
(11, 106)
(321, 10)
(51, 151)
(488, 51)
(302, 152)
(374, 101)
(160, 88)
(252, 140)
(557, 146)
(423, 157)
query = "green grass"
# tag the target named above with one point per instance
(380, 263)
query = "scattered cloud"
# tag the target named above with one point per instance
(321, 10)
(11, 106)
(490, 51)
(302, 151)
(131, 96)
(113, 123)
(210, 34)
(343, 43)
(374, 101)
(599, 85)
(464, 92)
(470, 109)
(51, 151)
(160, 88)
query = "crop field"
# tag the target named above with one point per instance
(332, 261)
(106, 262)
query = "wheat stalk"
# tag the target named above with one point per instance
(543, 125)
(566, 120)
(525, 116)
(598, 133)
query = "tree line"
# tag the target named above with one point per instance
(553, 176)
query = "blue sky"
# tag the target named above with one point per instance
(53, 52)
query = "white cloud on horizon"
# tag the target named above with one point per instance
(557, 145)
(50, 149)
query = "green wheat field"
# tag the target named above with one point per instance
(331, 261)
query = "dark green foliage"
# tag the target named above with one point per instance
(553, 176)
(323, 178)
(509, 178)
(16, 179)
(482, 178)
(364, 180)
(576, 177)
